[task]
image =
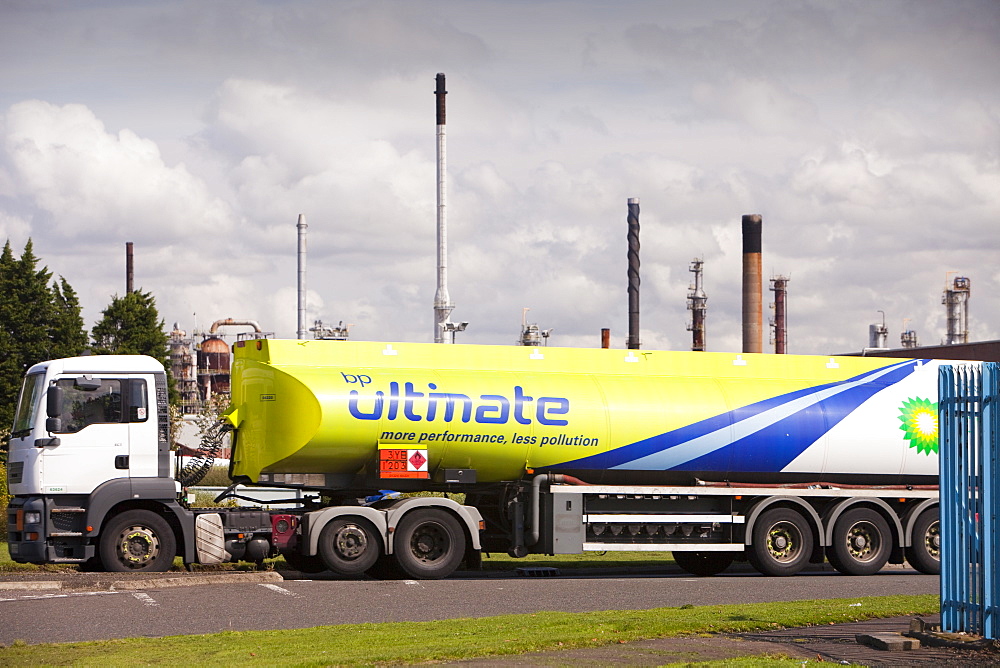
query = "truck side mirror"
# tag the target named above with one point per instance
(53, 425)
(54, 402)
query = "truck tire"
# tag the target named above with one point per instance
(137, 540)
(349, 545)
(924, 554)
(429, 544)
(781, 543)
(861, 542)
(704, 563)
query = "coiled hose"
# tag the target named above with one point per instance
(211, 447)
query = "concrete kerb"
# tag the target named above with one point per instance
(112, 583)
(32, 586)
(199, 579)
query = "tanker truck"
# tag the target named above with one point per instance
(779, 460)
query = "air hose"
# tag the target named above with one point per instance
(211, 447)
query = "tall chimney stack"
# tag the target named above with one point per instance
(633, 273)
(301, 226)
(442, 301)
(753, 314)
(129, 268)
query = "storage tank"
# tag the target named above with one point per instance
(365, 414)
(213, 367)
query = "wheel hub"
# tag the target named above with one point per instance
(782, 543)
(351, 542)
(862, 541)
(139, 545)
(933, 540)
(429, 543)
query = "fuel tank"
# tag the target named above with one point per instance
(347, 414)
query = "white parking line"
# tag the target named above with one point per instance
(280, 590)
(36, 597)
(145, 598)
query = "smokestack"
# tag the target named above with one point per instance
(605, 338)
(301, 226)
(633, 273)
(752, 297)
(129, 268)
(779, 285)
(442, 301)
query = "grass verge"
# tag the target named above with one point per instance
(456, 639)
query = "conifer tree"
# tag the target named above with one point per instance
(131, 326)
(39, 320)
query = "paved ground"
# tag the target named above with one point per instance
(832, 643)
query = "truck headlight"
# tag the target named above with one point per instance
(32, 517)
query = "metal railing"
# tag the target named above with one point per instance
(969, 428)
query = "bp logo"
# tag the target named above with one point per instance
(920, 424)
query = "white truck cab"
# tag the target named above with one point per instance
(89, 433)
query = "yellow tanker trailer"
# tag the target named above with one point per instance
(792, 457)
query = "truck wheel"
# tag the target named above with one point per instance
(781, 543)
(925, 552)
(430, 544)
(861, 542)
(304, 563)
(137, 540)
(349, 545)
(703, 563)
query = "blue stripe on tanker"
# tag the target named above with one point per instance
(764, 436)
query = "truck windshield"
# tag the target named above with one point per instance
(27, 404)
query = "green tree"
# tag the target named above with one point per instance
(68, 335)
(131, 326)
(39, 320)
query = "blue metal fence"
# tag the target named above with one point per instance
(969, 428)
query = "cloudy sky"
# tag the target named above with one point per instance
(866, 134)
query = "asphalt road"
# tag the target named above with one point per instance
(66, 616)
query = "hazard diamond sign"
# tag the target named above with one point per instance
(417, 460)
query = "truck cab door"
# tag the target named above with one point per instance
(145, 460)
(90, 434)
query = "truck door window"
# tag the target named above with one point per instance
(82, 406)
(138, 404)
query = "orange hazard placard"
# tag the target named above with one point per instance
(402, 463)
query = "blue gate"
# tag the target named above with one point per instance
(969, 422)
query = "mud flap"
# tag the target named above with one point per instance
(209, 539)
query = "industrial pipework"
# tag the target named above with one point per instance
(956, 301)
(698, 305)
(779, 286)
